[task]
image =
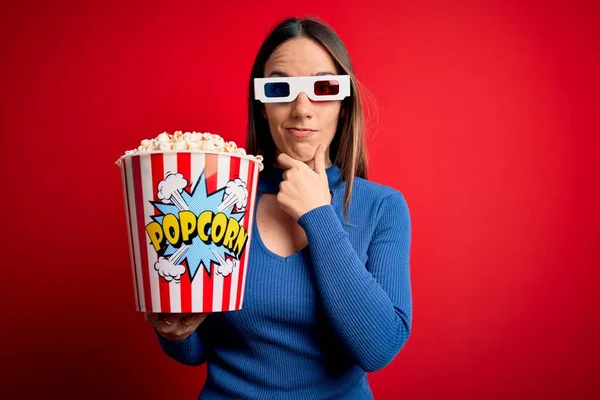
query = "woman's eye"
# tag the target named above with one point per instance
(326, 89)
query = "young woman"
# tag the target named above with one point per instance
(328, 295)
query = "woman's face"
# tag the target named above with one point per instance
(302, 57)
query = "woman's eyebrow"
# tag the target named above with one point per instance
(283, 74)
(278, 73)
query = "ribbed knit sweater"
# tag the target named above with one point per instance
(314, 323)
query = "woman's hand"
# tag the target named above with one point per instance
(175, 326)
(303, 189)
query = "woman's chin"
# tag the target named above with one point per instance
(302, 153)
(302, 157)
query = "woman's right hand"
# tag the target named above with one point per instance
(175, 327)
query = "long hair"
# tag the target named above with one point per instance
(347, 149)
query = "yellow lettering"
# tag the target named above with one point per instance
(156, 234)
(203, 220)
(233, 228)
(217, 229)
(210, 228)
(171, 228)
(240, 242)
(187, 219)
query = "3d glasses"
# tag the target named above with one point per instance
(317, 88)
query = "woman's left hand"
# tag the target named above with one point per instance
(303, 189)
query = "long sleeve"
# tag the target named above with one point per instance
(192, 351)
(369, 306)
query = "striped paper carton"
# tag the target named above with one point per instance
(189, 218)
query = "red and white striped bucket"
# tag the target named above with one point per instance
(189, 218)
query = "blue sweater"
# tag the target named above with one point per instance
(312, 324)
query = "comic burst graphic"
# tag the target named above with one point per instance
(230, 200)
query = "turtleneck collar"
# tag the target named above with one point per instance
(269, 180)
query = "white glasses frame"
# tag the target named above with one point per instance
(299, 84)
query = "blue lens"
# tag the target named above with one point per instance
(277, 89)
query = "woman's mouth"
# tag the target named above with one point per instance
(301, 133)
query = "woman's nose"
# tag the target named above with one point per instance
(302, 106)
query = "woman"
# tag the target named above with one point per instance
(328, 294)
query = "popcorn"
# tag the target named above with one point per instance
(195, 141)
(180, 145)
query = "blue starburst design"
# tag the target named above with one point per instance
(198, 253)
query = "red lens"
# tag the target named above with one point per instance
(327, 88)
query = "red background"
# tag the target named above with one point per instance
(488, 123)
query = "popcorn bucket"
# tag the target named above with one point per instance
(189, 219)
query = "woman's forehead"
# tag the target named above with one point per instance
(300, 57)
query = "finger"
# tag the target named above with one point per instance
(185, 320)
(193, 319)
(283, 185)
(319, 160)
(164, 320)
(286, 161)
(165, 329)
(170, 319)
(151, 317)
